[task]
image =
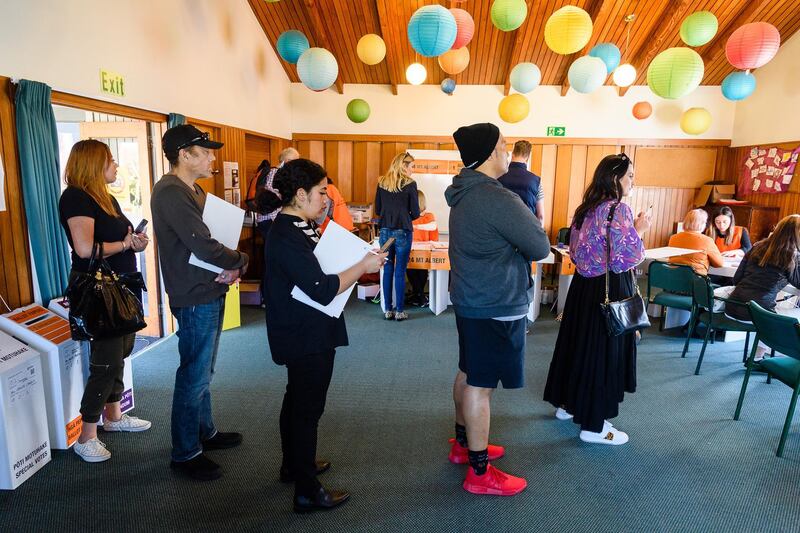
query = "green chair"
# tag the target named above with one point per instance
(782, 334)
(675, 281)
(703, 295)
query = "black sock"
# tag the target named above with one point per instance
(461, 435)
(479, 461)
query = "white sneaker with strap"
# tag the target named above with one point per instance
(126, 423)
(609, 435)
(92, 451)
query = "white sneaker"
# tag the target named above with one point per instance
(609, 435)
(562, 414)
(92, 451)
(126, 423)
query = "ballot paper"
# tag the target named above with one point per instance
(337, 250)
(667, 251)
(224, 221)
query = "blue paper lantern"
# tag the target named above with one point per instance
(432, 30)
(291, 45)
(738, 85)
(586, 74)
(317, 69)
(448, 85)
(525, 77)
(609, 53)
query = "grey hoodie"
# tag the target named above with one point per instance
(494, 238)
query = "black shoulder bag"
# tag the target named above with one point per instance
(101, 302)
(630, 314)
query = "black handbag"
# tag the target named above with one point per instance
(630, 314)
(102, 303)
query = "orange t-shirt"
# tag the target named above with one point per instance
(736, 242)
(699, 261)
(341, 215)
(428, 221)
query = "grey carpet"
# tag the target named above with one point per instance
(688, 466)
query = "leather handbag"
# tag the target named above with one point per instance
(102, 303)
(627, 315)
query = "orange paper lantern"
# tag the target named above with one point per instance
(454, 61)
(642, 110)
(465, 27)
(753, 45)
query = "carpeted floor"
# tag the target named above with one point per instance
(688, 466)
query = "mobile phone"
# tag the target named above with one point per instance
(141, 227)
(386, 245)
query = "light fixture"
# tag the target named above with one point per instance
(625, 74)
(416, 74)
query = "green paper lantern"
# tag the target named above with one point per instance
(358, 110)
(675, 72)
(508, 15)
(699, 28)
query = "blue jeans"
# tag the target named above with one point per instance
(199, 328)
(396, 264)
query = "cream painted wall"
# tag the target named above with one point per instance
(426, 110)
(207, 59)
(772, 113)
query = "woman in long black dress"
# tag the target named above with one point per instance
(591, 371)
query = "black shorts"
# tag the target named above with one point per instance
(492, 350)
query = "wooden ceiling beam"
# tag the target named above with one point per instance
(383, 22)
(717, 44)
(598, 10)
(516, 48)
(312, 11)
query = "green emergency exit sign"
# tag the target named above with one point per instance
(112, 83)
(556, 131)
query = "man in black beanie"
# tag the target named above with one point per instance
(494, 238)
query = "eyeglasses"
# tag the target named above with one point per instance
(201, 137)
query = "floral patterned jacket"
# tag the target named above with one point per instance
(587, 245)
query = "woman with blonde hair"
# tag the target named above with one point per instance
(90, 215)
(397, 206)
(694, 224)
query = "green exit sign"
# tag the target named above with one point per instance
(556, 131)
(112, 83)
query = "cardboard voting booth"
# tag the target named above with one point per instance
(62, 366)
(24, 439)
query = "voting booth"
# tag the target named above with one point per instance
(24, 439)
(62, 366)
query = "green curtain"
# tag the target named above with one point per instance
(174, 119)
(39, 169)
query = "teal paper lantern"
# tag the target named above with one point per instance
(609, 53)
(587, 74)
(317, 69)
(432, 30)
(508, 15)
(699, 28)
(449, 86)
(675, 72)
(738, 85)
(525, 77)
(291, 45)
(358, 110)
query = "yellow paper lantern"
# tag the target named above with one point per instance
(371, 49)
(514, 108)
(695, 121)
(568, 30)
(454, 61)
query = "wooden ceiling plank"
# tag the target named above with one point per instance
(257, 6)
(391, 49)
(599, 11)
(516, 48)
(311, 9)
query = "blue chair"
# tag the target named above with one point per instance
(782, 334)
(675, 282)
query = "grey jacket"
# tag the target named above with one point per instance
(494, 237)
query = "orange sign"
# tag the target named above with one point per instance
(430, 166)
(53, 328)
(429, 260)
(74, 429)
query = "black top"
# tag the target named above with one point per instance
(759, 284)
(523, 182)
(295, 329)
(77, 203)
(397, 209)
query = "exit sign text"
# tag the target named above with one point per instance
(112, 83)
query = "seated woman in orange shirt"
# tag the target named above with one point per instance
(732, 240)
(425, 229)
(692, 237)
(336, 210)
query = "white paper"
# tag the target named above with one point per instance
(229, 169)
(749, 163)
(769, 184)
(787, 179)
(754, 173)
(224, 222)
(337, 250)
(772, 152)
(778, 186)
(667, 251)
(756, 184)
(760, 160)
(753, 152)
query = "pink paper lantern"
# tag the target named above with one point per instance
(465, 27)
(753, 45)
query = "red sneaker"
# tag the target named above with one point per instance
(460, 455)
(494, 481)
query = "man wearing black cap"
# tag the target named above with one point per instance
(196, 296)
(494, 238)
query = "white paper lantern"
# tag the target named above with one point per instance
(624, 75)
(587, 74)
(416, 74)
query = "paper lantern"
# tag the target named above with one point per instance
(454, 61)
(514, 108)
(738, 85)
(642, 110)
(358, 110)
(609, 53)
(291, 45)
(587, 73)
(695, 121)
(317, 69)
(624, 75)
(448, 86)
(465, 27)
(568, 30)
(432, 30)
(699, 28)
(416, 74)
(371, 49)
(752, 45)
(675, 72)
(508, 15)
(525, 77)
